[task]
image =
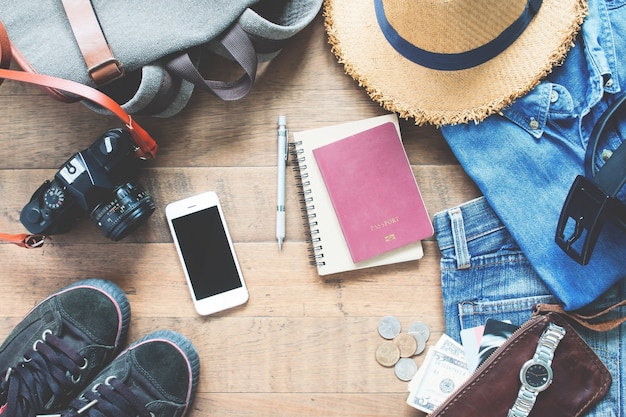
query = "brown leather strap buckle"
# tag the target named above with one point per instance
(110, 70)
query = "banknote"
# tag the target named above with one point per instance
(446, 345)
(438, 377)
(450, 346)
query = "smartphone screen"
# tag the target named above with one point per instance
(206, 252)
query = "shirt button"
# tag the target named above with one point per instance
(534, 124)
(554, 96)
(606, 154)
(609, 83)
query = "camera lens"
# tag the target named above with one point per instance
(130, 208)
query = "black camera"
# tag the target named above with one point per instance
(97, 182)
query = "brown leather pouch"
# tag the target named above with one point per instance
(580, 378)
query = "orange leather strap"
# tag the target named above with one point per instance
(145, 142)
(24, 240)
(102, 65)
(5, 49)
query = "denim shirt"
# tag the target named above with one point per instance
(525, 159)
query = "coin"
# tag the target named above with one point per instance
(405, 369)
(406, 343)
(389, 327)
(387, 353)
(421, 328)
(421, 342)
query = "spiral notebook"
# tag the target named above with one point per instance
(330, 251)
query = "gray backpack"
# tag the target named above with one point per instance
(145, 54)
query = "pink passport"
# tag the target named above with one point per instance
(373, 191)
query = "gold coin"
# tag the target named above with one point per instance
(387, 353)
(406, 343)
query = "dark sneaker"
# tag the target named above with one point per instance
(57, 349)
(155, 377)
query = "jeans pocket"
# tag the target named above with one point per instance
(515, 310)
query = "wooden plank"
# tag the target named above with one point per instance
(278, 285)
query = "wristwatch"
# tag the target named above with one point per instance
(536, 373)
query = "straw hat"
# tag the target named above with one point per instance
(440, 77)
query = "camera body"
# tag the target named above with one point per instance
(97, 182)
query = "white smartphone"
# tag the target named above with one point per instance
(207, 253)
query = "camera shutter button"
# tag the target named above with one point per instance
(34, 215)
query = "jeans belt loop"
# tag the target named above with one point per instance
(462, 254)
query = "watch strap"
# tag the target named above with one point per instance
(548, 342)
(524, 402)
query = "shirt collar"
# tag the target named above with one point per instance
(531, 111)
(599, 43)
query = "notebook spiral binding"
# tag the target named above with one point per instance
(309, 217)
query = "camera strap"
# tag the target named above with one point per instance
(24, 240)
(147, 146)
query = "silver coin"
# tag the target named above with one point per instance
(421, 328)
(389, 327)
(405, 369)
(421, 342)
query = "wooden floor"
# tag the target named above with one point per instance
(303, 345)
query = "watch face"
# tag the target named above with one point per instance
(536, 375)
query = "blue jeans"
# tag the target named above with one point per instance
(484, 274)
(525, 159)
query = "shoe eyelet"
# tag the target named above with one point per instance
(94, 389)
(108, 379)
(43, 338)
(76, 379)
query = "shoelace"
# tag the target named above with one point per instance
(50, 369)
(111, 398)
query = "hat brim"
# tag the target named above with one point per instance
(449, 97)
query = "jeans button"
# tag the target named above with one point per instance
(534, 124)
(606, 154)
(554, 96)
